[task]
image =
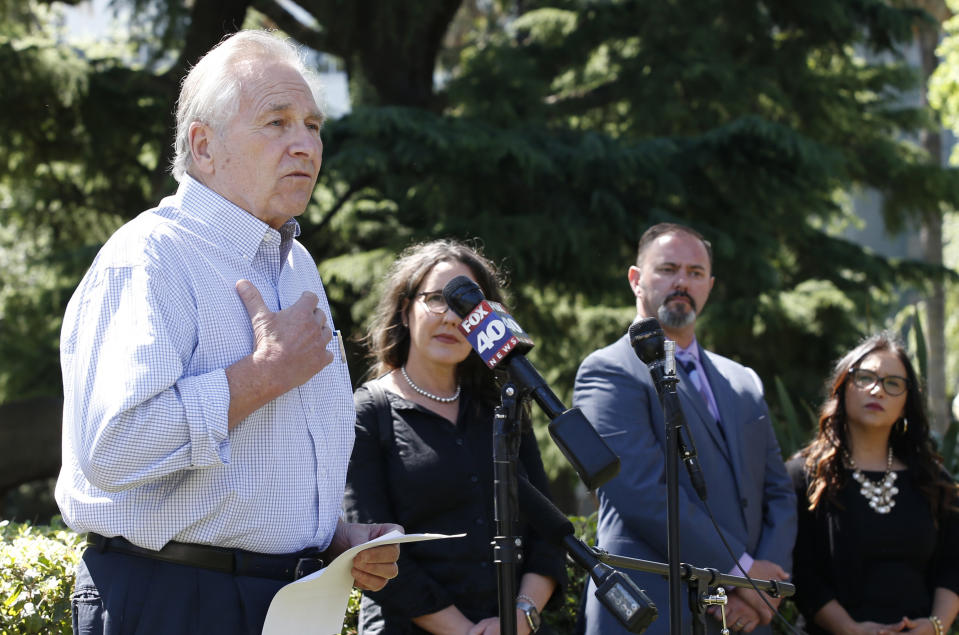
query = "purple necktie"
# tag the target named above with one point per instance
(689, 365)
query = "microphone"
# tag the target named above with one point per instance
(647, 339)
(500, 341)
(615, 590)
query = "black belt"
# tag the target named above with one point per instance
(288, 567)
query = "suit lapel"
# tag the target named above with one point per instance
(723, 393)
(692, 400)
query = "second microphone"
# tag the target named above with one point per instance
(497, 338)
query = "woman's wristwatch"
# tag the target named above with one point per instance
(526, 605)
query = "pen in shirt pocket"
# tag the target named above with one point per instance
(338, 336)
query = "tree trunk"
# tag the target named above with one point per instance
(29, 441)
(390, 49)
(931, 239)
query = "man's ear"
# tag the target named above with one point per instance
(201, 140)
(633, 277)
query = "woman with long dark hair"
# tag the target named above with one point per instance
(878, 543)
(423, 458)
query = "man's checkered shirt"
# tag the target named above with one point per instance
(145, 341)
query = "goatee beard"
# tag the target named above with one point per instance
(675, 318)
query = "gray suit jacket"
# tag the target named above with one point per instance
(748, 489)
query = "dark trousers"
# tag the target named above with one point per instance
(119, 594)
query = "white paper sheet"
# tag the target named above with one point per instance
(316, 604)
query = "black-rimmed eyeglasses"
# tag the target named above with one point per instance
(894, 385)
(434, 301)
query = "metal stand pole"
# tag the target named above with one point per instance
(673, 417)
(507, 547)
(672, 529)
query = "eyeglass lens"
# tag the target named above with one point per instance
(866, 379)
(434, 301)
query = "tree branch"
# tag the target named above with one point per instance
(353, 189)
(315, 38)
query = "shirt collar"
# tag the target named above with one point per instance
(239, 227)
(690, 352)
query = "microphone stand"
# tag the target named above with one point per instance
(507, 547)
(617, 592)
(698, 581)
(670, 403)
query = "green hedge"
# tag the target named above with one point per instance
(38, 564)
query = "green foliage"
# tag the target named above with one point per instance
(81, 134)
(562, 618)
(37, 570)
(911, 319)
(947, 449)
(790, 613)
(560, 130)
(351, 621)
(922, 362)
(944, 83)
(944, 97)
(579, 124)
(792, 432)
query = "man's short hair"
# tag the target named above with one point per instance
(210, 92)
(661, 229)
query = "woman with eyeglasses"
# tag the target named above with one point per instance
(878, 543)
(423, 458)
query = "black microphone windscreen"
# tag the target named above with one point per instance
(542, 514)
(646, 337)
(462, 295)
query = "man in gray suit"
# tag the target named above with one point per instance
(749, 491)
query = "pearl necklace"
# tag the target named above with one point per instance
(881, 495)
(427, 394)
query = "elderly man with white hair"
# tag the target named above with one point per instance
(208, 410)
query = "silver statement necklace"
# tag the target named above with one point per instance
(428, 394)
(881, 495)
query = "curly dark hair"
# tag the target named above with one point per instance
(823, 458)
(388, 339)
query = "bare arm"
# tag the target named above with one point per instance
(835, 619)
(945, 605)
(448, 621)
(533, 586)
(537, 588)
(451, 621)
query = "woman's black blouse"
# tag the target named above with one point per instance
(879, 567)
(437, 477)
